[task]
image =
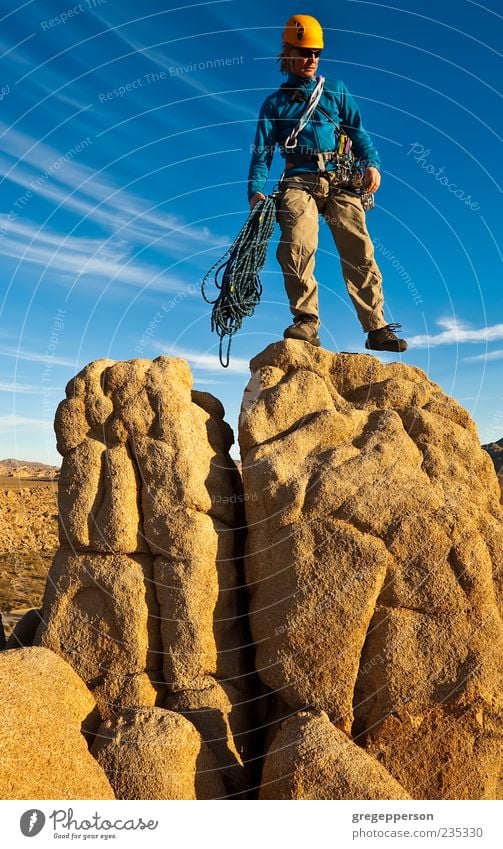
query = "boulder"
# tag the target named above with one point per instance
(44, 708)
(24, 631)
(223, 717)
(312, 759)
(151, 753)
(374, 558)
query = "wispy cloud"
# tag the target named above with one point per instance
(25, 388)
(192, 80)
(457, 332)
(204, 361)
(491, 355)
(35, 357)
(77, 187)
(12, 422)
(75, 256)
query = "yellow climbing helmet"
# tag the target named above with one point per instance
(303, 31)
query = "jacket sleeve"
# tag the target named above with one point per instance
(351, 122)
(262, 149)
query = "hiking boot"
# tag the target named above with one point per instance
(305, 331)
(385, 340)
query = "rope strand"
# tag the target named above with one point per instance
(237, 277)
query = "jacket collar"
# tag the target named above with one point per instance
(296, 81)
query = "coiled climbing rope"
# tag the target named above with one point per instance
(237, 277)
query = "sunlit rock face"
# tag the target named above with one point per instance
(375, 544)
(145, 595)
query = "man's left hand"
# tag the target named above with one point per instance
(371, 179)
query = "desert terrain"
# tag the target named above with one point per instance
(28, 535)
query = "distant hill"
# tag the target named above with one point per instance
(495, 451)
(11, 468)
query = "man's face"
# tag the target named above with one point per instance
(305, 61)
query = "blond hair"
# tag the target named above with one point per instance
(285, 58)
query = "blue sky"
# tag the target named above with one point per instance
(125, 133)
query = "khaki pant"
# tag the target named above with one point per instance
(343, 212)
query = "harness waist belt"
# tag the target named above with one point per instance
(299, 158)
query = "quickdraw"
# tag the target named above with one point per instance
(349, 172)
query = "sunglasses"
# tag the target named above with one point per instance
(306, 52)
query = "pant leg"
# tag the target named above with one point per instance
(345, 216)
(298, 220)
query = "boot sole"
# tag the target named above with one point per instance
(398, 349)
(316, 341)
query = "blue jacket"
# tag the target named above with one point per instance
(279, 115)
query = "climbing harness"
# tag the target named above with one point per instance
(237, 277)
(348, 169)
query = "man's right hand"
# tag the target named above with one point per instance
(256, 197)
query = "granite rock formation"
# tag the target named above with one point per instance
(374, 569)
(374, 555)
(143, 598)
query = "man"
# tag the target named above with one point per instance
(311, 184)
